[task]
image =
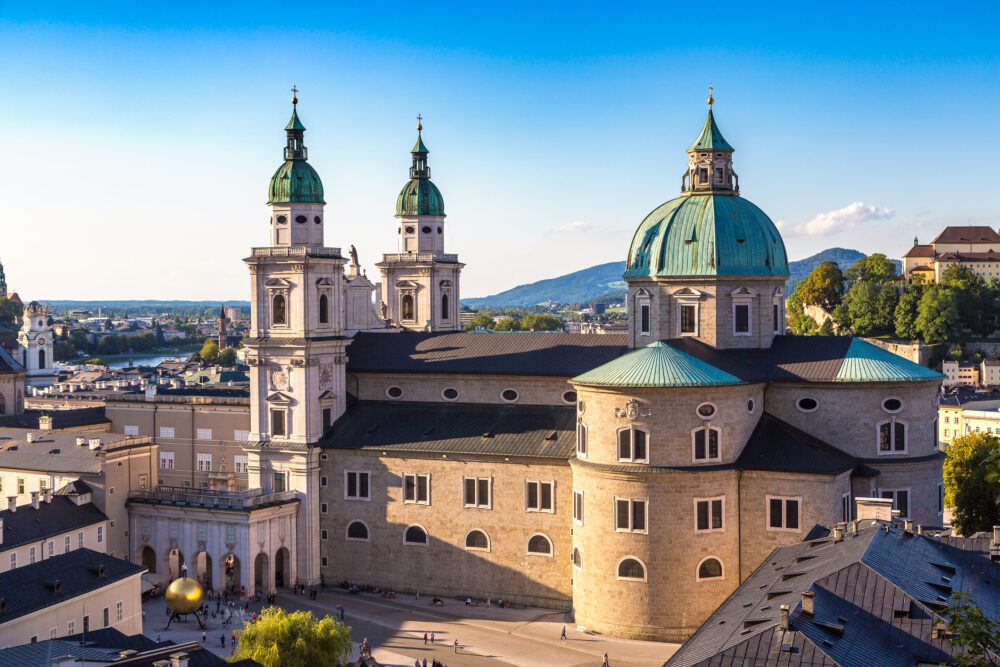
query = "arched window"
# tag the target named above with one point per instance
(581, 440)
(477, 539)
(3, 405)
(631, 569)
(41, 358)
(540, 545)
(705, 444)
(577, 558)
(632, 445)
(279, 314)
(324, 309)
(891, 437)
(357, 530)
(710, 568)
(444, 306)
(415, 535)
(407, 307)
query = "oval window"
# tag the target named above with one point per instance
(581, 407)
(892, 405)
(807, 404)
(300, 219)
(317, 220)
(282, 219)
(439, 230)
(706, 410)
(426, 230)
(409, 230)
(394, 392)
(450, 394)
(751, 406)
(509, 395)
(569, 397)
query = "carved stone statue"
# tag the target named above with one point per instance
(354, 255)
(384, 309)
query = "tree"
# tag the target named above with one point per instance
(209, 351)
(977, 637)
(822, 287)
(841, 318)
(481, 321)
(885, 309)
(296, 639)
(905, 317)
(937, 315)
(227, 357)
(541, 322)
(861, 302)
(826, 329)
(967, 488)
(507, 324)
(799, 323)
(875, 268)
(10, 313)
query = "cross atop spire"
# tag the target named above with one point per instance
(711, 100)
(420, 125)
(295, 95)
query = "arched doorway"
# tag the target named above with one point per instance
(203, 570)
(261, 581)
(281, 568)
(231, 572)
(148, 559)
(175, 563)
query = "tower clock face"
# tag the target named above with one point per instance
(41, 340)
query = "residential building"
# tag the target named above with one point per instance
(960, 374)
(974, 247)
(989, 372)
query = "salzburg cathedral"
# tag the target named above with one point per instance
(634, 479)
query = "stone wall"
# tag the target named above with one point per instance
(471, 388)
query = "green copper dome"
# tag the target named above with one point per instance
(656, 365)
(419, 196)
(707, 235)
(295, 181)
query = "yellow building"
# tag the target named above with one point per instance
(977, 248)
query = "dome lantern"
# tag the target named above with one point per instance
(710, 160)
(295, 181)
(420, 196)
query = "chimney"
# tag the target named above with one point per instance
(151, 392)
(920, 529)
(908, 526)
(996, 535)
(45, 423)
(838, 533)
(178, 660)
(34, 499)
(11, 504)
(30, 437)
(81, 441)
(808, 600)
(54, 586)
(94, 443)
(783, 624)
(854, 528)
(878, 509)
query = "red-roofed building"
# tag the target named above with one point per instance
(977, 248)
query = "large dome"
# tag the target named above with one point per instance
(419, 197)
(707, 235)
(295, 181)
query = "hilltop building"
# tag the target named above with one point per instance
(647, 472)
(976, 248)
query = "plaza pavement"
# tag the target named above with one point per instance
(527, 637)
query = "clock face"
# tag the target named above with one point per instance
(41, 340)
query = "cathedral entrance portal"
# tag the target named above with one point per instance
(148, 559)
(261, 581)
(203, 569)
(281, 560)
(175, 562)
(231, 571)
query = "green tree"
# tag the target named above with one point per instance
(80, 341)
(296, 639)
(905, 317)
(541, 322)
(227, 357)
(841, 318)
(875, 268)
(481, 321)
(937, 315)
(885, 309)
(799, 323)
(160, 340)
(861, 301)
(967, 486)
(10, 313)
(63, 351)
(823, 286)
(507, 324)
(975, 635)
(209, 351)
(826, 329)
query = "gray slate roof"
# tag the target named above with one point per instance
(778, 446)
(60, 418)
(62, 515)
(42, 455)
(876, 599)
(24, 589)
(457, 428)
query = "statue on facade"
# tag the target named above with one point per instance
(354, 255)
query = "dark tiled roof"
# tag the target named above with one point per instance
(808, 358)
(60, 418)
(876, 597)
(62, 515)
(989, 256)
(8, 364)
(968, 234)
(456, 428)
(920, 251)
(554, 354)
(25, 589)
(778, 446)
(74, 488)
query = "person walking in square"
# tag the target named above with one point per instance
(425, 639)
(456, 644)
(562, 635)
(605, 663)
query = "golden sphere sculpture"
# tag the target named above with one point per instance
(184, 596)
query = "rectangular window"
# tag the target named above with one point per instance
(892, 437)
(322, 508)
(119, 612)
(52, 548)
(204, 434)
(644, 319)
(100, 534)
(777, 318)
(940, 498)
(630, 515)
(718, 174)
(632, 445)
(417, 489)
(166, 460)
(204, 462)
(708, 514)
(86, 623)
(31, 555)
(79, 540)
(783, 513)
(131, 429)
(106, 613)
(20, 486)
(900, 500)
(476, 492)
(356, 485)
(278, 423)
(689, 319)
(581, 440)
(66, 544)
(70, 627)
(240, 464)
(327, 418)
(279, 482)
(241, 436)
(143, 481)
(52, 633)
(13, 560)
(323, 535)
(539, 496)
(741, 319)
(166, 431)
(706, 444)
(577, 506)
(845, 507)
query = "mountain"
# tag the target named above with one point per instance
(604, 282)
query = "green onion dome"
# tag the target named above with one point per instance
(419, 196)
(295, 181)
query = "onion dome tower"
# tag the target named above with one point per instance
(420, 287)
(708, 264)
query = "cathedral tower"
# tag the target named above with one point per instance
(420, 282)
(35, 341)
(296, 344)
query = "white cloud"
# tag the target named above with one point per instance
(843, 218)
(575, 227)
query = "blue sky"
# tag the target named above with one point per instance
(138, 141)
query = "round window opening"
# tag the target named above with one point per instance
(425, 230)
(706, 410)
(450, 394)
(282, 219)
(393, 392)
(301, 218)
(409, 230)
(439, 230)
(892, 405)
(807, 404)
(569, 397)
(509, 395)
(750, 406)
(317, 220)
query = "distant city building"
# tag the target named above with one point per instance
(233, 313)
(959, 416)
(976, 248)
(960, 374)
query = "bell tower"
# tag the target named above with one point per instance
(296, 347)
